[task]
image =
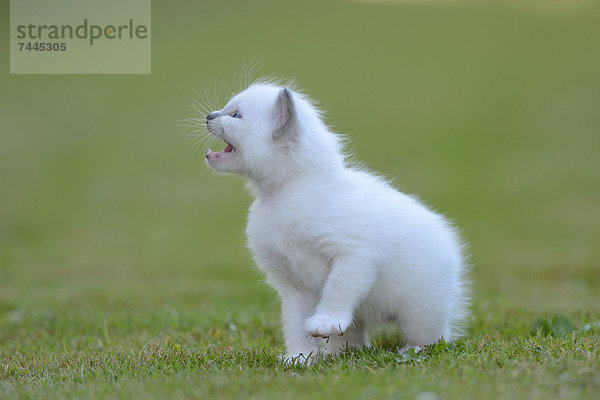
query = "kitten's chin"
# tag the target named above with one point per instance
(223, 161)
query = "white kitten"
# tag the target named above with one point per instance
(344, 250)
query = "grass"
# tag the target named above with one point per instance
(122, 266)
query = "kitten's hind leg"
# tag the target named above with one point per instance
(423, 328)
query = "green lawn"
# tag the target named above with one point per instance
(123, 271)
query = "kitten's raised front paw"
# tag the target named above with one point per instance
(322, 325)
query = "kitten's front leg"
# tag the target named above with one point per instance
(348, 283)
(296, 306)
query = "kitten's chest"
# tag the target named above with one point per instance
(288, 245)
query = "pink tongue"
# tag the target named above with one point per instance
(228, 149)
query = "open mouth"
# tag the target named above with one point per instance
(226, 152)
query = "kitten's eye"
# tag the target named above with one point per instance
(236, 115)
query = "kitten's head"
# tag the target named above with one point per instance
(269, 131)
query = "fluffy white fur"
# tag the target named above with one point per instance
(344, 250)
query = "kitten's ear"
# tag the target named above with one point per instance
(284, 113)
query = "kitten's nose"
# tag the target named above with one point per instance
(210, 117)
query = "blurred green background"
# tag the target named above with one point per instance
(111, 231)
